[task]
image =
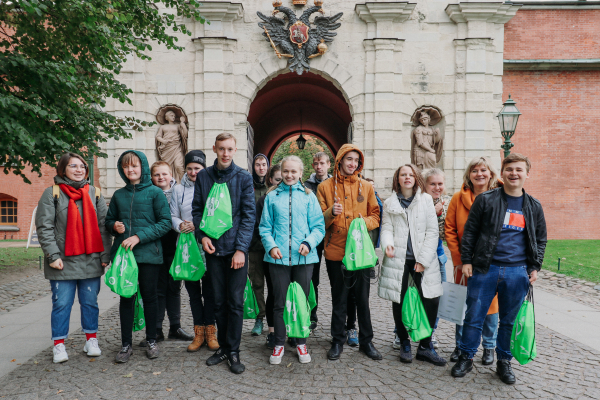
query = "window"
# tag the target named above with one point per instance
(8, 210)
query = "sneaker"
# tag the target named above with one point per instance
(91, 348)
(235, 364)
(429, 355)
(60, 353)
(313, 325)
(160, 336)
(124, 354)
(303, 355)
(217, 358)
(352, 337)
(152, 350)
(277, 355)
(271, 340)
(405, 352)
(143, 343)
(397, 343)
(434, 341)
(258, 327)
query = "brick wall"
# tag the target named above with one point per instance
(552, 34)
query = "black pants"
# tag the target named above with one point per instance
(148, 280)
(168, 294)
(315, 281)
(270, 301)
(202, 300)
(228, 285)
(351, 310)
(341, 282)
(282, 276)
(430, 305)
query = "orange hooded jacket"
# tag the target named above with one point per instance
(347, 189)
(456, 218)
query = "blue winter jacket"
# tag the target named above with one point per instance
(289, 207)
(243, 208)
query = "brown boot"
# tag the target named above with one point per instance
(211, 337)
(198, 339)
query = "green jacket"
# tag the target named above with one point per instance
(51, 227)
(144, 210)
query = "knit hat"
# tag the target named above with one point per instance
(195, 156)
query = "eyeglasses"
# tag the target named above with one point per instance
(77, 166)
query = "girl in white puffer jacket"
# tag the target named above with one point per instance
(409, 237)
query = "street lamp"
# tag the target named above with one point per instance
(301, 142)
(508, 118)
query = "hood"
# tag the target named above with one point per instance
(257, 179)
(66, 181)
(345, 149)
(171, 185)
(145, 181)
(282, 187)
(187, 182)
(313, 178)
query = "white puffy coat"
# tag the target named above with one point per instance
(421, 219)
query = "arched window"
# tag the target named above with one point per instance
(8, 210)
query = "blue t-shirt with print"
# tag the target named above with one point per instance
(511, 250)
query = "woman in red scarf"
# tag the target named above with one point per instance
(70, 226)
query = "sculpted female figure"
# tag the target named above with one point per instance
(427, 142)
(171, 143)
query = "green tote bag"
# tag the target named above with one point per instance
(188, 264)
(296, 314)
(122, 276)
(139, 322)
(414, 316)
(522, 340)
(217, 218)
(250, 306)
(360, 253)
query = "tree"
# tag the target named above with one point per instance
(60, 62)
(313, 145)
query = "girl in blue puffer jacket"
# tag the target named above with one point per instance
(291, 227)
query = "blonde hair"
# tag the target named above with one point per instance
(428, 173)
(299, 161)
(160, 164)
(130, 158)
(493, 184)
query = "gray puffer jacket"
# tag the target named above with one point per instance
(51, 226)
(181, 202)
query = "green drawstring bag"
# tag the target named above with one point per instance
(414, 316)
(250, 306)
(312, 297)
(188, 264)
(296, 314)
(216, 219)
(360, 253)
(122, 276)
(139, 322)
(522, 340)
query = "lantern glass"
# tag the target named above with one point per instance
(509, 116)
(301, 142)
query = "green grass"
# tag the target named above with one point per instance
(19, 256)
(578, 258)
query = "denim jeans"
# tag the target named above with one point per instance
(489, 333)
(63, 296)
(511, 284)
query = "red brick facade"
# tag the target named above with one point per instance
(561, 114)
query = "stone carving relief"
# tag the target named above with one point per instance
(427, 137)
(172, 138)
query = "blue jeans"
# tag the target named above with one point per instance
(63, 296)
(511, 284)
(489, 334)
(442, 258)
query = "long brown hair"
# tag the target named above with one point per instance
(61, 167)
(419, 182)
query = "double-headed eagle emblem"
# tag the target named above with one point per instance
(298, 40)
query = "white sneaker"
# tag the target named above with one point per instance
(303, 355)
(91, 348)
(434, 341)
(277, 355)
(60, 353)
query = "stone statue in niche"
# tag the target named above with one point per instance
(172, 138)
(427, 137)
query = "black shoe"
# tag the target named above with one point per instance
(313, 325)
(405, 352)
(144, 343)
(455, 354)
(429, 355)
(152, 350)
(159, 335)
(335, 351)
(462, 367)
(488, 357)
(180, 334)
(235, 365)
(505, 372)
(292, 342)
(271, 340)
(217, 358)
(370, 351)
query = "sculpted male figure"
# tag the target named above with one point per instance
(171, 143)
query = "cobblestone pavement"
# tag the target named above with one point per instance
(563, 369)
(24, 291)
(578, 290)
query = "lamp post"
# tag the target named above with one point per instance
(508, 117)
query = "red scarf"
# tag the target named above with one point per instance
(81, 238)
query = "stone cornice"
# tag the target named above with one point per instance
(397, 11)
(215, 42)
(559, 5)
(221, 10)
(499, 13)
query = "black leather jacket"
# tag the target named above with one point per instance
(484, 225)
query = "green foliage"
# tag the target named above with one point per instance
(313, 146)
(60, 63)
(578, 258)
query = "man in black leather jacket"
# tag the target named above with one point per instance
(502, 251)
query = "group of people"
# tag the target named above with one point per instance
(281, 227)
